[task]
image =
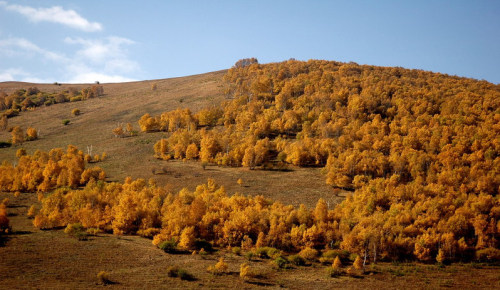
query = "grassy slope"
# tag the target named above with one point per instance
(127, 102)
(50, 259)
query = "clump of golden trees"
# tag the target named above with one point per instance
(26, 99)
(209, 213)
(418, 150)
(44, 171)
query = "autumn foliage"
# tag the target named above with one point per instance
(418, 150)
(44, 171)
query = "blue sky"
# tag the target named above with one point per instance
(113, 41)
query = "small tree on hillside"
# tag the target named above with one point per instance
(17, 135)
(4, 123)
(31, 134)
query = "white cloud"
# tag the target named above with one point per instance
(17, 74)
(103, 60)
(19, 46)
(98, 50)
(55, 14)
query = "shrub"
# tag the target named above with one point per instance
(31, 134)
(75, 112)
(358, 263)
(330, 255)
(309, 253)
(185, 275)
(200, 244)
(267, 252)
(93, 231)
(75, 99)
(337, 264)
(77, 231)
(168, 246)
(202, 252)
(236, 250)
(245, 271)
(221, 266)
(65, 122)
(297, 260)
(20, 152)
(31, 212)
(334, 272)
(249, 255)
(103, 278)
(172, 271)
(281, 262)
(488, 255)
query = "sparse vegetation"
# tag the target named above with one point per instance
(103, 278)
(180, 273)
(77, 231)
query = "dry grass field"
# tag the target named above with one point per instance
(32, 258)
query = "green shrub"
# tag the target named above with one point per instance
(267, 252)
(174, 272)
(93, 231)
(249, 255)
(65, 122)
(77, 231)
(185, 275)
(329, 256)
(236, 250)
(75, 112)
(168, 246)
(297, 260)
(281, 262)
(75, 99)
(334, 272)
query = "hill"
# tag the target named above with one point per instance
(124, 103)
(415, 153)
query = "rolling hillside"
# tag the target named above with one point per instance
(125, 103)
(391, 164)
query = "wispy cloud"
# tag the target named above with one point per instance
(16, 74)
(99, 50)
(16, 46)
(55, 14)
(104, 60)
